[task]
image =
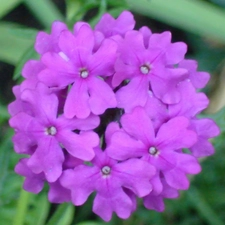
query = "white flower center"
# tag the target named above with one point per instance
(145, 69)
(106, 170)
(50, 131)
(84, 73)
(153, 151)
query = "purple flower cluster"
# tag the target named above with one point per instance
(110, 110)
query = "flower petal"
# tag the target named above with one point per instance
(101, 96)
(47, 158)
(77, 101)
(135, 93)
(154, 202)
(135, 175)
(58, 194)
(118, 201)
(88, 123)
(176, 179)
(33, 182)
(138, 119)
(81, 181)
(122, 147)
(80, 146)
(174, 135)
(102, 62)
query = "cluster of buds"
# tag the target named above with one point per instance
(111, 111)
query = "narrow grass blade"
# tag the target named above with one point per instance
(7, 6)
(44, 10)
(199, 17)
(63, 215)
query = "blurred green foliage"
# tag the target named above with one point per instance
(201, 24)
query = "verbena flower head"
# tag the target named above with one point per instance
(110, 111)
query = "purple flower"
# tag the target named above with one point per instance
(30, 72)
(110, 26)
(44, 128)
(49, 42)
(145, 69)
(109, 178)
(205, 129)
(198, 79)
(146, 32)
(190, 105)
(76, 64)
(156, 110)
(18, 105)
(154, 201)
(58, 194)
(33, 182)
(173, 52)
(159, 149)
(111, 111)
(191, 102)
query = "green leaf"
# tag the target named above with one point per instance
(90, 223)
(204, 209)
(7, 6)
(82, 7)
(63, 215)
(219, 2)
(12, 47)
(25, 33)
(22, 207)
(29, 54)
(5, 145)
(102, 9)
(44, 10)
(39, 209)
(199, 17)
(4, 115)
(72, 8)
(117, 3)
(42, 207)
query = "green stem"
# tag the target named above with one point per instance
(63, 215)
(22, 206)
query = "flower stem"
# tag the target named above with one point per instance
(22, 206)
